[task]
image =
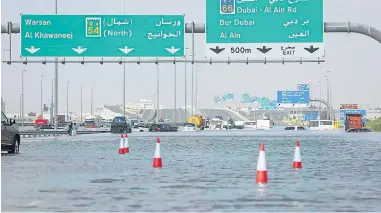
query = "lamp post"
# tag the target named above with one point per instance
(185, 83)
(330, 93)
(22, 97)
(92, 88)
(320, 99)
(81, 102)
(42, 108)
(52, 105)
(67, 101)
(329, 111)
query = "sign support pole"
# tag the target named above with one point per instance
(56, 83)
(157, 93)
(174, 87)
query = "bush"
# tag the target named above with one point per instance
(375, 125)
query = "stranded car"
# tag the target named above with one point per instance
(10, 135)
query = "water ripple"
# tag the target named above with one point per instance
(204, 172)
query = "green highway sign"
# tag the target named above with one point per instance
(264, 28)
(102, 35)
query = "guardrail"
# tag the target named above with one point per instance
(29, 134)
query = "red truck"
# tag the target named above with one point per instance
(353, 121)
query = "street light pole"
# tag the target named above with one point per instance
(329, 111)
(81, 103)
(185, 84)
(157, 94)
(42, 108)
(330, 93)
(92, 103)
(52, 105)
(67, 101)
(20, 104)
(320, 100)
(22, 97)
(197, 71)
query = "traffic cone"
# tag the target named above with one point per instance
(126, 147)
(157, 158)
(297, 164)
(121, 145)
(261, 177)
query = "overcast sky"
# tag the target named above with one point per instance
(353, 59)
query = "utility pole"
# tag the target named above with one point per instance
(42, 108)
(67, 101)
(81, 103)
(56, 82)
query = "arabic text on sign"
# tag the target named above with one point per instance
(163, 35)
(161, 22)
(118, 22)
(295, 22)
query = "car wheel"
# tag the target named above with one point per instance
(15, 146)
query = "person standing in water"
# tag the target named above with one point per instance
(74, 129)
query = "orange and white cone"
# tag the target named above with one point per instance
(121, 145)
(157, 158)
(297, 164)
(261, 177)
(126, 146)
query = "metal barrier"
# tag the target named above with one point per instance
(30, 134)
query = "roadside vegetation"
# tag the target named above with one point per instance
(374, 125)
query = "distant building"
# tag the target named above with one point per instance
(141, 104)
(3, 105)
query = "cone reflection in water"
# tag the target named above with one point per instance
(121, 145)
(157, 158)
(297, 164)
(126, 146)
(261, 176)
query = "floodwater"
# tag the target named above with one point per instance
(203, 171)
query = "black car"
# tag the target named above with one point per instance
(10, 135)
(120, 126)
(162, 128)
(358, 130)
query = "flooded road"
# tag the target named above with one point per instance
(205, 171)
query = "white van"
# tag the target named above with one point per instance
(321, 125)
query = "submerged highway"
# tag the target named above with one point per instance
(202, 171)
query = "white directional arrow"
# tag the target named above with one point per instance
(32, 49)
(172, 50)
(125, 50)
(79, 49)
